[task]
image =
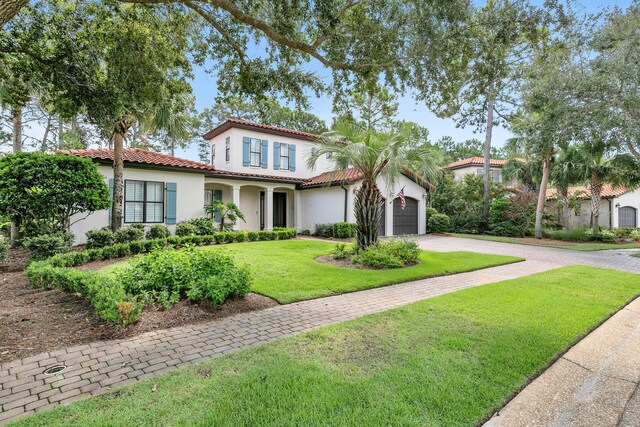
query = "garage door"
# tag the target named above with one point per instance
(627, 217)
(405, 221)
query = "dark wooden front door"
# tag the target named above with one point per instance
(279, 209)
(405, 221)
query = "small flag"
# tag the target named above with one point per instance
(403, 202)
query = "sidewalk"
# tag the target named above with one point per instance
(596, 383)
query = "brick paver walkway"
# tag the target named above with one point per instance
(95, 368)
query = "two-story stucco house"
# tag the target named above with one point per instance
(474, 166)
(262, 169)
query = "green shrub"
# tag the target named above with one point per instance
(168, 276)
(324, 230)
(571, 235)
(252, 236)
(429, 213)
(47, 245)
(439, 223)
(342, 251)
(129, 234)
(393, 254)
(99, 238)
(157, 231)
(204, 226)
(305, 232)
(344, 230)
(186, 229)
(4, 247)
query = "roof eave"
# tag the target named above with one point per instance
(229, 125)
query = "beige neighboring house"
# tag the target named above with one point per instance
(619, 207)
(262, 169)
(475, 166)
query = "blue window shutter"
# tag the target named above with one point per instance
(276, 155)
(217, 195)
(265, 154)
(246, 149)
(292, 157)
(171, 201)
(111, 184)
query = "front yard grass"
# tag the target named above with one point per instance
(287, 271)
(574, 246)
(449, 360)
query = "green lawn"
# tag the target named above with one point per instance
(287, 271)
(450, 360)
(584, 247)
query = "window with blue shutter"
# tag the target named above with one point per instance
(171, 200)
(246, 151)
(276, 155)
(265, 154)
(292, 157)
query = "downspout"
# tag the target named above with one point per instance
(346, 200)
(611, 214)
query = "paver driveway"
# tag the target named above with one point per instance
(97, 367)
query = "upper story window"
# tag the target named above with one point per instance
(143, 201)
(227, 149)
(213, 154)
(255, 154)
(284, 156)
(494, 174)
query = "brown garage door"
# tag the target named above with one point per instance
(627, 217)
(405, 221)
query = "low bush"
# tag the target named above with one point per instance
(429, 213)
(571, 235)
(392, 254)
(323, 230)
(99, 238)
(305, 232)
(204, 226)
(4, 247)
(344, 230)
(252, 236)
(47, 245)
(168, 276)
(186, 229)
(439, 223)
(129, 234)
(342, 251)
(157, 231)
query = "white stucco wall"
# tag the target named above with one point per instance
(583, 217)
(473, 170)
(303, 150)
(321, 205)
(189, 204)
(632, 199)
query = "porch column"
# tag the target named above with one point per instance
(269, 210)
(236, 200)
(297, 210)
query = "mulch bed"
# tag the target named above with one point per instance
(16, 260)
(346, 263)
(34, 320)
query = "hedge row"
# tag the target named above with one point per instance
(107, 295)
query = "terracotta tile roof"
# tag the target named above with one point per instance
(474, 161)
(583, 191)
(140, 156)
(352, 175)
(223, 174)
(245, 124)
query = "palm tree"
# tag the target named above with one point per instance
(565, 172)
(376, 156)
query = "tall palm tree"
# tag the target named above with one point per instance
(376, 156)
(565, 172)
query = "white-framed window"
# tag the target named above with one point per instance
(494, 174)
(284, 156)
(213, 154)
(255, 153)
(227, 149)
(143, 201)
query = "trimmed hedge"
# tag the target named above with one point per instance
(340, 230)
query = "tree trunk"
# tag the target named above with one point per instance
(60, 132)
(595, 186)
(563, 194)
(16, 118)
(368, 209)
(487, 156)
(542, 196)
(118, 180)
(45, 137)
(9, 9)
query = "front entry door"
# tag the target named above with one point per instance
(279, 209)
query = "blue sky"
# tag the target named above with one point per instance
(204, 87)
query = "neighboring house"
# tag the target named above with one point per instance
(263, 169)
(475, 166)
(619, 207)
